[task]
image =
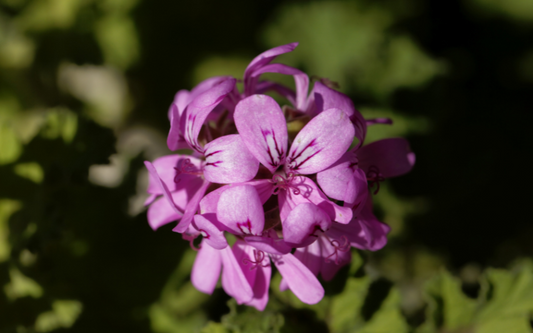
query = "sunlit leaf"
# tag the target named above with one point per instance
(21, 286)
(63, 315)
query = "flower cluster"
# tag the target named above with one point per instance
(293, 184)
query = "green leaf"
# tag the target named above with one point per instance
(213, 327)
(245, 319)
(510, 302)
(346, 306)
(449, 307)
(63, 315)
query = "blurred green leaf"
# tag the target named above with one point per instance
(63, 315)
(7, 207)
(60, 123)
(21, 286)
(349, 42)
(214, 328)
(118, 40)
(506, 304)
(31, 171)
(49, 14)
(448, 306)
(244, 319)
(345, 307)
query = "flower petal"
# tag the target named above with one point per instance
(301, 79)
(263, 129)
(199, 109)
(303, 224)
(191, 209)
(234, 281)
(320, 143)
(338, 181)
(326, 98)
(300, 279)
(265, 86)
(260, 61)
(161, 212)
(268, 244)
(335, 259)
(308, 191)
(177, 172)
(213, 236)
(260, 288)
(240, 209)
(392, 157)
(311, 257)
(229, 161)
(206, 269)
(257, 273)
(162, 186)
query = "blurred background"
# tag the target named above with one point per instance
(85, 86)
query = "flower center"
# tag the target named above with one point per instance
(290, 181)
(259, 257)
(337, 247)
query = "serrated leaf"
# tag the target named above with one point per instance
(346, 306)
(449, 307)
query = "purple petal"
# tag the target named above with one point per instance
(301, 79)
(338, 181)
(300, 279)
(308, 192)
(353, 232)
(268, 244)
(263, 187)
(311, 257)
(262, 283)
(263, 129)
(375, 231)
(199, 109)
(191, 209)
(257, 272)
(240, 209)
(265, 86)
(335, 259)
(304, 224)
(392, 157)
(206, 269)
(229, 161)
(161, 212)
(234, 281)
(177, 172)
(320, 143)
(283, 285)
(205, 85)
(162, 187)
(327, 98)
(383, 121)
(213, 236)
(260, 61)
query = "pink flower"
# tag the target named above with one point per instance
(323, 205)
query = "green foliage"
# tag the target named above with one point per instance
(348, 43)
(505, 302)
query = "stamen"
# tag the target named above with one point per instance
(292, 181)
(374, 177)
(259, 256)
(191, 239)
(345, 247)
